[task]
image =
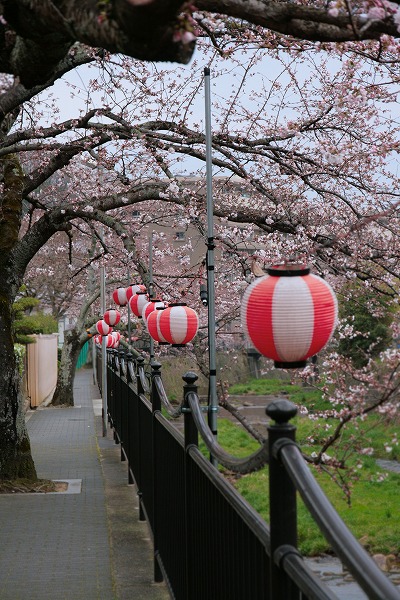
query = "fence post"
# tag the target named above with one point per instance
(129, 380)
(139, 364)
(109, 380)
(156, 406)
(191, 438)
(191, 433)
(123, 394)
(139, 361)
(282, 498)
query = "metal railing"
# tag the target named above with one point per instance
(208, 541)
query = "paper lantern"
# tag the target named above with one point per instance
(134, 289)
(97, 339)
(137, 302)
(178, 324)
(150, 306)
(110, 343)
(103, 328)
(116, 337)
(289, 315)
(153, 325)
(112, 317)
(119, 297)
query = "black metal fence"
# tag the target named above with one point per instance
(208, 541)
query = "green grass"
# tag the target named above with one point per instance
(373, 433)
(275, 387)
(263, 386)
(373, 515)
(233, 439)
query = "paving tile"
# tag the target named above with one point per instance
(57, 546)
(68, 546)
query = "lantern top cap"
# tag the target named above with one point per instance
(288, 268)
(178, 304)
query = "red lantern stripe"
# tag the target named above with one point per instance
(160, 336)
(151, 325)
(325, 312)
(257, 316)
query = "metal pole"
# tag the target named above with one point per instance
(151, 289)
(94, 362)
(212, 394)
(103, 352)
(129, 316)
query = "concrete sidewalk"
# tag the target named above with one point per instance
(86, 544)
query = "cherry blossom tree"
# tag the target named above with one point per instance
(36, 36)
(306, 150)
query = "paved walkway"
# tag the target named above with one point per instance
(84, 545)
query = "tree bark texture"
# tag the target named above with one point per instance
(73, 343)
(15, 451)
(37, 35)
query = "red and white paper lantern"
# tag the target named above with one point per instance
(116, 335)
(137, 302)
(112, 317)
(178, 324)
(97, 339)
(119, 297)
(103, 328)
(134, 289)
(110, 341)
(289, 315)
(150, 306)
(153, 325)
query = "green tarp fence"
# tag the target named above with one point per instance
(83, 356)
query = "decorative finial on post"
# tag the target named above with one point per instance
(190, 377)
(156, 367)
(281, 411)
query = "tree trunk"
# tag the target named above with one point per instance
(15, 451)
(73, 343)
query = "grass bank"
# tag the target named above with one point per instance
(373, 516)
